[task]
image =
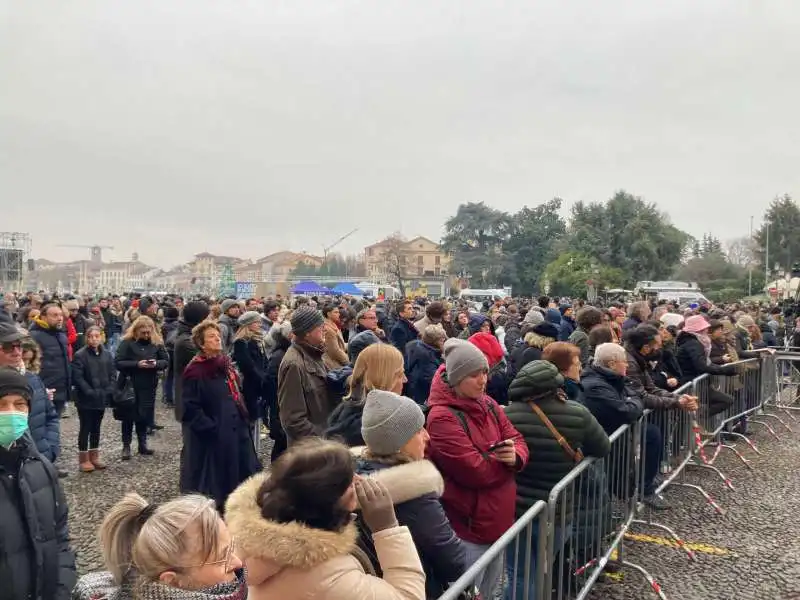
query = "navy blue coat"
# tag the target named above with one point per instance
(43, 420)
(219, 450)
(402, 333)
(423, 362)
(55, 371)
(566, 328)
(252, 361)
(605, 396)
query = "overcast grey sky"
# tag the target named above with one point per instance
(171, 127)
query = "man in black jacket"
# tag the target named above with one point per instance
(48, 331)
(613, 403)
(403, 332)
(35, 556)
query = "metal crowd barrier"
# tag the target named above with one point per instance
(561, 549)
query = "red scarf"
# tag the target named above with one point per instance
(222, 364)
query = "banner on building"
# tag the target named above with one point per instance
(245, 289)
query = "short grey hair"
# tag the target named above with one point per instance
(607, 353)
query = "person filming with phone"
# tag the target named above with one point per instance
(140, 357)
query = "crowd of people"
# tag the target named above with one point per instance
(407, 436)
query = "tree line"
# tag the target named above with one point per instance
(612, 244)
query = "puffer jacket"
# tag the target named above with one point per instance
(55, 369)
(548, 462)
(293, 561)
(415, 489)
(44, 423)
(93, 375)
(693, 360)
(33, 520)
(480, 491)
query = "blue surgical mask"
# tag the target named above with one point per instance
(12, 427)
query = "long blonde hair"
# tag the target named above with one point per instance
(376, 368)
(140, 322)
(35, 363)
(134, 541)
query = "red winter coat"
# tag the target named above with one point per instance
(480, 492)
(72, 336)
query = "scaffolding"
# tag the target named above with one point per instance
(15, 250)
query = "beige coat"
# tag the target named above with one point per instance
(335, 349)
(291, 561)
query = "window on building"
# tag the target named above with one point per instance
(420, 260)
(420, 271)
(438, 260)
(370, 251)
(437, 271)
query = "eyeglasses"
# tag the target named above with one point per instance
(11, 346)
(230, 553)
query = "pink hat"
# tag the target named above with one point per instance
(696, 324)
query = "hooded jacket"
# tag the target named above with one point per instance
(415, 489)
(693, 360)
(292, 561)
(480, 491)
(549, 463)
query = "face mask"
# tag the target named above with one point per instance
(12, 426)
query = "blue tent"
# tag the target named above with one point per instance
(310, 287)
(348, 288)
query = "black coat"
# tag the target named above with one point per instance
(693, 360)
(55, 370)
(93, 377)
(251, 358)
(219, 450)
(344, 424)
(403, 332)
(35, 533)
(145, 381)
(415, 489)
(183, 353)
(605, 396)
(423, 362)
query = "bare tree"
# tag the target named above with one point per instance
(395, 256)
(739, 251)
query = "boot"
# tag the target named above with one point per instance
(126, 452)
(94, 457)
(85, 465)
(143, 449)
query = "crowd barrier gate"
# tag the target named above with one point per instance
(583, 526)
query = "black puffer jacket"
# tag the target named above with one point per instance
(415, 489)
(33, 521)
(423, 362)
(548, 463)
(55, 370)
(93, 376)
(693, 360)
(604, 394)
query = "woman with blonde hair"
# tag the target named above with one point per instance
(250, 354)
(378, 367)
(179, 549)
(31, 355)
(140, 356)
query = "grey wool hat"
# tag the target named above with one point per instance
(389, 421)
(227, 304)
(306, 319)
(462, 358)
(249, 318)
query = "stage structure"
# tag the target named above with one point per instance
(15, 250)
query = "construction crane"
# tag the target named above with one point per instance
(326, 250)
(97, 250)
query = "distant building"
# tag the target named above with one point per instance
(278, 266)
(207, 268)
(419, 258)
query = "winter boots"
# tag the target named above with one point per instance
(84, 462)
(143, 449)
(94, 457)
(126, 452)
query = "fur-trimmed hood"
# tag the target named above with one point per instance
(405, 481)
(268, 547)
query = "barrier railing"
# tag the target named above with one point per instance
(562, 548)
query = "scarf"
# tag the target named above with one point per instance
(705, 340)
(222, 364)
(95, 586)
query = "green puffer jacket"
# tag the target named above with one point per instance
(549, 462)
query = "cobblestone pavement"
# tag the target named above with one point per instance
(753, 552)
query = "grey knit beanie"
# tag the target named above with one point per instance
(461, 358)
(306, 319)
(389, 421)
(534, 317)
(248, 318)
(227, 304)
